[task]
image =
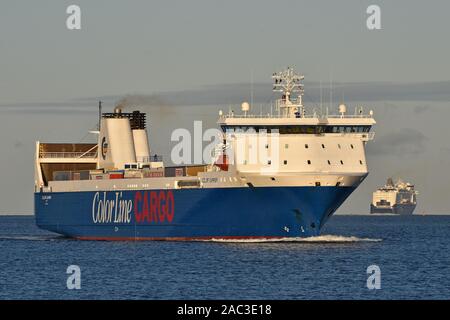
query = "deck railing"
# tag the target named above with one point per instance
(154, 158)
(308, 116)
(72, 155)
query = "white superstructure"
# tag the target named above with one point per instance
(292, 147)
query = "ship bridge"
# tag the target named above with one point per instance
(357, 125)
(289, 144)
(290, 116)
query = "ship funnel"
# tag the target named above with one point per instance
(390, 182)
(140, 138)
(122, 139)
(115, 141)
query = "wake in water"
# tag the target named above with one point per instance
(316, 239)
(32, 238)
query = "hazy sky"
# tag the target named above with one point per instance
(190, 58)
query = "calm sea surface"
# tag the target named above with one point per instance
(413, 254)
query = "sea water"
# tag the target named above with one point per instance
(412, 253)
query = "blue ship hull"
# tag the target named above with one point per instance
(189, 214)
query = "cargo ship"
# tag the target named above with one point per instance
(394, 198)
(116, 189)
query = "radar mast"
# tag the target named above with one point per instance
(288, 82)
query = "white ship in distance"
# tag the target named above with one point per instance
(395, 198)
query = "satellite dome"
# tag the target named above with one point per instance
(245, 106)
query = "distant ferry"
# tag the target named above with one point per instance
(399, 198)
(116, 190)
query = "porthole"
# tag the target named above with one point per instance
(342, 162)
(309, 161)
(306, 146)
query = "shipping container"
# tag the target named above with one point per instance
(80, 175)
(97, 176)
(194, 170)
(62, 175)
(175, 171)
(84, 175)
(133, 174)
(76, 176)
(153, 173)
(116, 175)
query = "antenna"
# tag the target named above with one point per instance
(251, 87)
(331, 90)
(321, 107)
(288, 82)
(99, 115)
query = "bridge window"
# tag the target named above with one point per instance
(285, 162)
(297, 129)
